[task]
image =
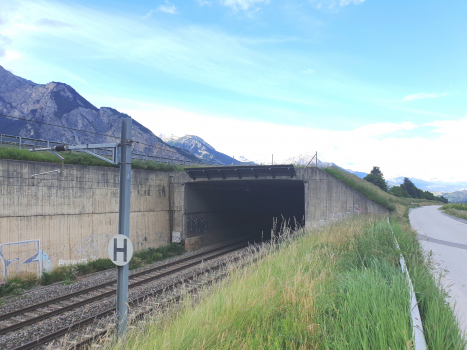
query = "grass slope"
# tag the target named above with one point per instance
(337, 288)
(456, 209)
(80, 159)
(373, 192)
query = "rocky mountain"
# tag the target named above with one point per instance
(59, 104)
(454, 197)
(360, 174)
(432, 186)
(201, 149)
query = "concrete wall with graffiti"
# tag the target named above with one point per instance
(54, 220)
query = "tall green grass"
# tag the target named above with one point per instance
(441, 329)
(457, 206)
(335, 288)
(458, 210)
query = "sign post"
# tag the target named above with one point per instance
(123, 227)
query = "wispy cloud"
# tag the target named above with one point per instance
(242, 4)
(334, 4)
(47, 22)
(168, 9)
(421, 95)
(309, 71)
(204, 2)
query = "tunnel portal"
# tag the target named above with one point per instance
(234, 208)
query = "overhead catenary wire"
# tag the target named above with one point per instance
(87, 131)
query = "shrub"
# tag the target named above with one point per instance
(16, 285)
(457, 206)
(101, 265)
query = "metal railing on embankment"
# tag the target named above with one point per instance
(28, 142)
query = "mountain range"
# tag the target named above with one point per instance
(201, 149)
(39, 107)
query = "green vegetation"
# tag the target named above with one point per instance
(441, 328)
(10, 152)
(455, 209)
(388, 199)
(405, 190)
(338, 287)
(16, 285)
(376, 177)
(409, 190)
(368, 189)
(68, 274)
(457, 206)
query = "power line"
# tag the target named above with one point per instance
(58, 126)
(89, 132)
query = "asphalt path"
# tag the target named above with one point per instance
(446, 237)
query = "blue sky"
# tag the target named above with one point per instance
(362, 82)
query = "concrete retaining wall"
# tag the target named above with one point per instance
(55, 219)
(328, 199)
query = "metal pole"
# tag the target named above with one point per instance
(316, 158)
(124, 224)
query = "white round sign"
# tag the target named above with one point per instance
(120, 250)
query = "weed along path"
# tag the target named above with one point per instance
(447, 239)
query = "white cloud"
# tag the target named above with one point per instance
(333, 4)
(53, 23)
(309, 71)
(242, 4)
(204, 2)
(358, 149)
(421, 95)
(348, 2)
(168, 9)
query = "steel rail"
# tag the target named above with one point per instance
(47, 338)
(205, 257)
(110, 283)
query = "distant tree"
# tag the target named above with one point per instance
(411, 188)
(442, 199)
(376, 177)
(430, 196)
(399, 191)
(376, 171)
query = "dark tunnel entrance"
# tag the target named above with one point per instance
(234, 208)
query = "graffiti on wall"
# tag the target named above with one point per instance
(197, 225)
(62, 262)
(15, 255)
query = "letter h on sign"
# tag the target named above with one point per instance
(120, 250)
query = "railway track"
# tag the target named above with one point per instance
(35, 314)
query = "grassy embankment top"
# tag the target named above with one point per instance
(376, 194)
(456, 209)
(81, 159)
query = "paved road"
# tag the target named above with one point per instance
(447, 239)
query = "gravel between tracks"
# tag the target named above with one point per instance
(43, 293)
(64, 320)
